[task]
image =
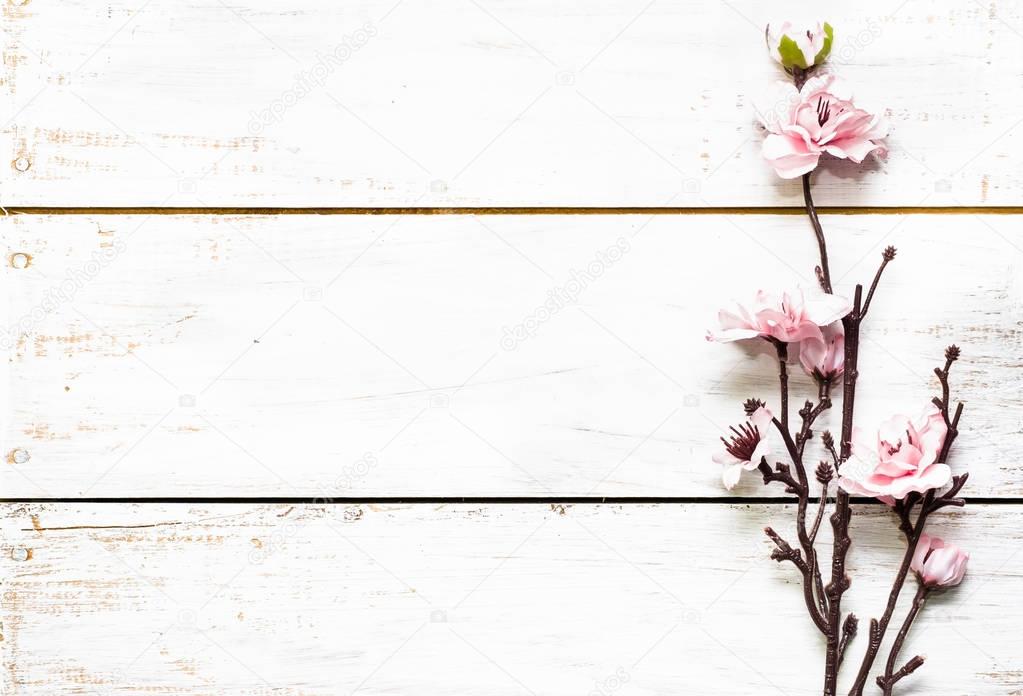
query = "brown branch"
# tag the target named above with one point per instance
(878, 627)
(888, 680)
(820, 507)
(839, 581)
(823, 272)
(943, 403)
(809, 414)
(929, 502)
(785, 552)
(813, 585)
(849, 627)
(824, 475)
(780, 474)
(886, 258)
(948, 498)
(783, 379)
(911, 666)
(806, 539)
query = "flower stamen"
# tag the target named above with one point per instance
(744, 441)
(823, 110)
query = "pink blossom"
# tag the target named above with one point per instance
(795, 316)
(820, 118)
(747, 448)
(900, 459)
(825, 361)
(938, 563)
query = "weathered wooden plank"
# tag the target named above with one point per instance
(519, 102)
(460, 599)
(363, 355)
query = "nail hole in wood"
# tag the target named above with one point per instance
(18, 456)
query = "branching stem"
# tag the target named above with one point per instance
(879, 626)
(891, 677)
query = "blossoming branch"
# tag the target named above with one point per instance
(903, 461)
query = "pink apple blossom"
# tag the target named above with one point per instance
(825, 361)
(794, 316)
(900, 459)
(938, 563)
(820, 118)
(799, 45)
(747, 448)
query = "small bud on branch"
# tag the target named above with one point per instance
(750, 406)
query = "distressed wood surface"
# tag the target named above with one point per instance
(514, 103)
(459, 599)
(376, 356)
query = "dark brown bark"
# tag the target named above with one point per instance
(929, 502)
(823, 271)
(783, 379)
(879, 626)
(805, 561)
(839, 582)
(891, 676)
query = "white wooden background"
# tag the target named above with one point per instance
(194, 314)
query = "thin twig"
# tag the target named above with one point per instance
(849, 627)
(879, 626)
(911, 666)
(888, 681)
(785, 552)
(820, 513)
(886, 257)
(783, 379)
(823, 272)
(822, 597)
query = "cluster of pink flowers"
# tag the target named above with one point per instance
(808, 320)
(902, 462)
(820, 116)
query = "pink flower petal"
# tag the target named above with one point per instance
(726, 458)
(763, 419)
(730, 476)
(822, 308)
(789, 160)
(730, 335)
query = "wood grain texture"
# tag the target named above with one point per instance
(374, 356)
(502, 599)
(514, 102)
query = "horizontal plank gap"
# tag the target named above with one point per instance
(589, 210)
(471, 500)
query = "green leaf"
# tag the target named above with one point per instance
(829, 37)
(790, 53)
